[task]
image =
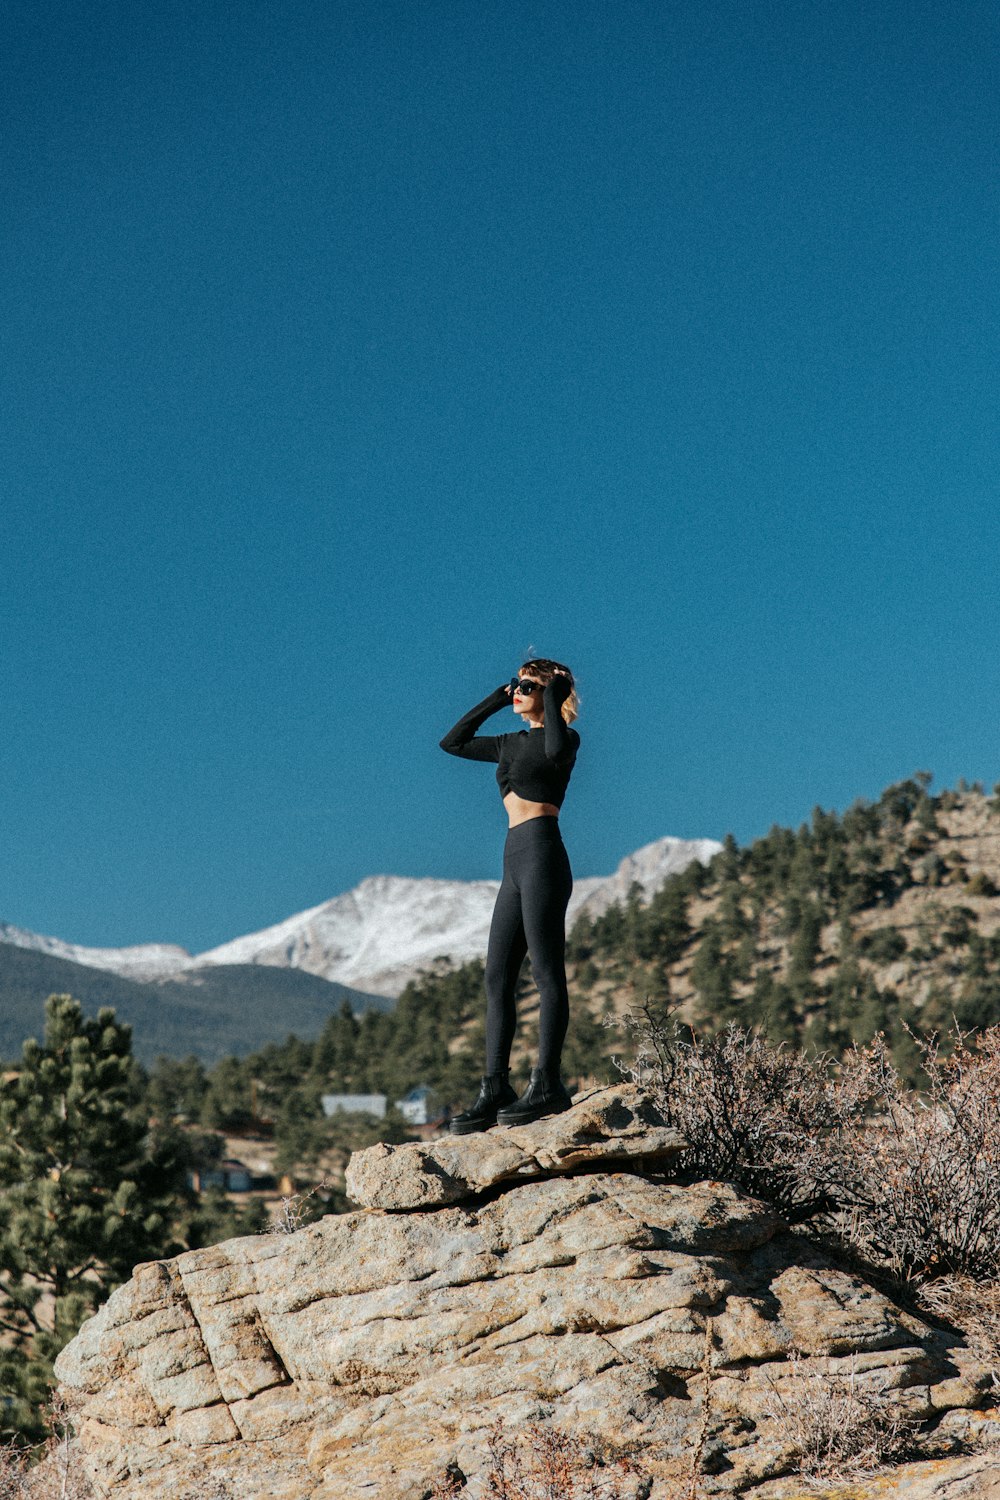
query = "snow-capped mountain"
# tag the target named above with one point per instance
(146, 961)
(648, 867)
(382, 933)
(387, 928)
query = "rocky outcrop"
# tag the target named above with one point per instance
(968, 1478)
(605, 1127)
(368, 1354)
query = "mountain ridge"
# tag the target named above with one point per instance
(215, 1013)
(377, 936)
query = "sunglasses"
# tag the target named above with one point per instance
(524, 687)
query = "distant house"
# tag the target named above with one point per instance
(229, 1175)
(355, 1104)
(419, 1106)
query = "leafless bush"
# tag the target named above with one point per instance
(745, 1108)
(294, 1210)
(972, 1306)
(908, 1180)
(450, 1485)
(22, 1479)
(13, 1472)
(546, 1463)
(839, 1425)
(51, 1471)
(915, 1178)
(698, 1451)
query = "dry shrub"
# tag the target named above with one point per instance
(972, 1306)
(20, 1479)
(745, 1107)
(449, 1486)
(915, 1177)
(297, 1209)
(839, 1425)
(908, 1180)
(53, 1470)
(545, 1463)
(13, 1472)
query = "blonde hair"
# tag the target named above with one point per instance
(543, 669)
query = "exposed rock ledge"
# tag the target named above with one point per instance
(364, 1354)
(605, 1126)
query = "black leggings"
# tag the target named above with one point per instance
(529, 917)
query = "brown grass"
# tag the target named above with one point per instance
(543, 1462)
(52, 1471)
(840, 1425)
(973, 1307)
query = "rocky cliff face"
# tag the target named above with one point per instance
(546, 1274)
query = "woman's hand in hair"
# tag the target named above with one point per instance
(561, 685)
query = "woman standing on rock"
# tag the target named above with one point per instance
(533, 771)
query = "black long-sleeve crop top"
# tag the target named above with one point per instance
(536, 764)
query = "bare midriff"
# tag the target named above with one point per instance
(520, 810)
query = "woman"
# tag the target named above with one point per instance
(533, 771)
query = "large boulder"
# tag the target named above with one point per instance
(605, 1126)
(372, 1352)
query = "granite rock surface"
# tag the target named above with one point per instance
(971, 1477)
(370, 1353)
(605, 1126)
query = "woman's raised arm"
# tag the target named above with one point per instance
(462, 739)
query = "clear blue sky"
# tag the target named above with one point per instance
(348, 351)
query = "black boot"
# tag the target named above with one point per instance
(494, 1091)
(545, 1095)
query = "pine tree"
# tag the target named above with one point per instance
(666, 930)
(733, 920)
(586, 1054)
(803, 951)
(335, 1059)
(746, 956)
(856, 1009)
(81, 1197)
(772, 1009)
(228, 1101)
(580, 939)
(711, 975)
(176, 1087)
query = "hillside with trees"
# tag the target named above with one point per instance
(216, 1011)
(881, 919)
